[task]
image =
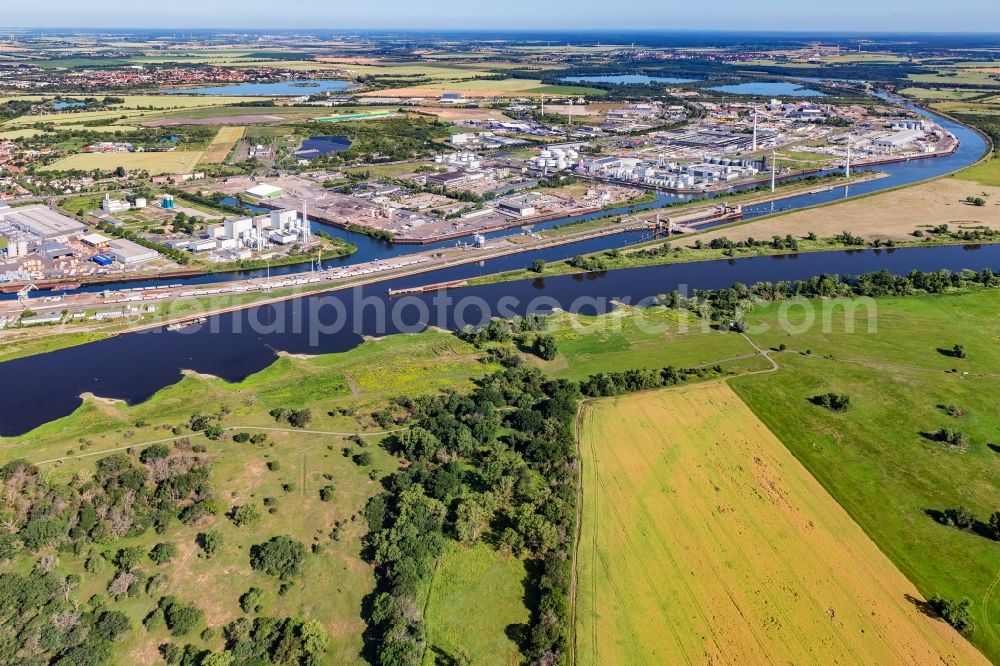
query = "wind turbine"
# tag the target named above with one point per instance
(847, 165)
(774, 164)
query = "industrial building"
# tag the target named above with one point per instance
(109, 205)
(130, 253)
(519, 205)
(671, 175)
(53, 251)
(899, 139)
(265, 192)
(281, 227)
(37, 223)
(95, 240)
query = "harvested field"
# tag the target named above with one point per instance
(223, 142)
(221, 120)
(178, 161)
(892, 215)
(704, 540)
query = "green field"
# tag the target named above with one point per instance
(636, 338)
(985, 173)
(476, 594)
(875, 459)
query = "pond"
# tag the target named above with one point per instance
(296, 87)
(317, 146)
(768, 89)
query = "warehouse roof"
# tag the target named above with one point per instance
(264, 190)
(42, 221)
(128, 250)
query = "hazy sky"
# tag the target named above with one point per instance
(811, 15)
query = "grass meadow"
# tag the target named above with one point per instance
(876, 459)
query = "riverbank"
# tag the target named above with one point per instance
(665, 253)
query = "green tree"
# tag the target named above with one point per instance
(246, 514)
(544, 347)
(210, 542)
(162, 553)
(281, 556)
(955, 613)
(111, 624)
(250, 600)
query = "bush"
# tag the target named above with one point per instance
(326, 493)
(955, 613)
(281, 556)
(163, 553)
(836, 402)
(154, 620)
(246, 514)
(960, 517)
(300, 418)
(209, 542)
(250, 600)
(544, 347)
(958, 351)
(154, 452)
(180, 618)
(951, 437)
(364, 458)
(994, 523)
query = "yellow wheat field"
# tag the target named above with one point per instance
(705, 541)
(218, 150)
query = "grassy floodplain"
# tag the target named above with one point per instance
(703, 539)
(304, 461)
(876, 459)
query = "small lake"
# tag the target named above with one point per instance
(317, 146)
(250, 208)
(626, 78)
(295, 87)
(768, 88)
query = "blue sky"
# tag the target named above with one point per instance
(809, 15)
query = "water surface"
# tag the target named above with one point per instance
(297, 87)
(768, 88)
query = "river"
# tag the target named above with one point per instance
(134, 366)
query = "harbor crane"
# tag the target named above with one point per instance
(22, 295)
